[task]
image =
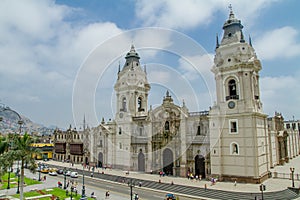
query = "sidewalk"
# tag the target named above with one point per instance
(271, 184)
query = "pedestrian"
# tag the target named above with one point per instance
(234, 183)
(107, 194)
(136, 196)
(205, 187)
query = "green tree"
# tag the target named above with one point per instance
(3, 144)
(3, 149)
(23, 151)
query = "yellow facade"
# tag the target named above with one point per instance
(45, 151)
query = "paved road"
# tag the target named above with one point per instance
(151, 190)
(117, 191)
(197, 192)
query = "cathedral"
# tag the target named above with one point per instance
(232, 141)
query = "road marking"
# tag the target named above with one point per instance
(109, 186)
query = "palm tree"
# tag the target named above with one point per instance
(3, 144)
(23, 152)
(3, 148)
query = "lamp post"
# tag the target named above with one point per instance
(72, 191)
(8, 180)
(262, 188)
(65, 174)
(39, 172)
(18, 174)
(293, 170)
(83, 196)
(131, 185)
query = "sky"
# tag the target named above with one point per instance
(59, 59)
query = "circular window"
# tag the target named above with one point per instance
(229, 34)
(229, 59)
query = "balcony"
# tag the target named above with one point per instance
(57, 150)
(232, 97)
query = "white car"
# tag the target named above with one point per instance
(74, 175)
(68, 173)
(53, 173)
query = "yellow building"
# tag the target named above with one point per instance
(45, 150)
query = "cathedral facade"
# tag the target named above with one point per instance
(233, 140)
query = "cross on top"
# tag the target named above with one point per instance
(230, 7)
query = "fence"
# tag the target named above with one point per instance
(286, 176)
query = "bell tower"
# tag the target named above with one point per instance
(131, 89)
(238, 128)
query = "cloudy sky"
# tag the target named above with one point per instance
(59, 59)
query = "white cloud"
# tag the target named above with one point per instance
(278, 43)
(192, 13)
(195, 66)
(274, 92)
(40, 53)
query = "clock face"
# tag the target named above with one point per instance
(231, 104)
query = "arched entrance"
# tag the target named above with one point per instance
(141, 162)
(200, 166)
(168, 161)
(100, 159)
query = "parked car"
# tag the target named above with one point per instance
(45, 170)
(60, 171)
(74, 175)
(170, 196)
(53, 173)
(68, 173)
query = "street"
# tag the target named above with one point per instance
(118, 191)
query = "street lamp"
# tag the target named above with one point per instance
(65, 174)
(18, 174)
(131, 185)
(72, 188)
(83, 196)
(262, 188)
(293, 170)
(8, 180)
(39, 172)
(20, 122)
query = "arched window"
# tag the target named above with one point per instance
(234, 148)
(199, 130)
(140, 104)
(232, 87)
(124, 105)
(256, 90)
(167, 126)
(120, 130)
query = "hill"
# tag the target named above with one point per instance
(9, 123)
